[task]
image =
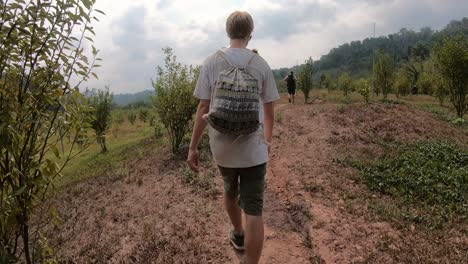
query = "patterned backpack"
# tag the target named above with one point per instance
(236, 101)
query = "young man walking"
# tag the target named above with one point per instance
(290, 80)
(241, 157)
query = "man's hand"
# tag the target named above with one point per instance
(193, 160)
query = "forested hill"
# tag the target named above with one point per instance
(356, 57)
(126, 99)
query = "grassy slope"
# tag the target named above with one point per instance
(123, 142)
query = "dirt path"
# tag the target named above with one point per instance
(316, 210)
(305, 176)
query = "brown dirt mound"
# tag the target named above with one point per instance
(393, 123)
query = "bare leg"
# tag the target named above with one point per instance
(253, 238)
(234, 212)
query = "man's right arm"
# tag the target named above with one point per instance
(200, 124)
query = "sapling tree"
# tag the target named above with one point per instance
(363, 87)
(43, 63)
(451, 58)
(132, 116)
(305, 80)
(344, 83)
(384, 73)
(102, 109)
(402, 83)
(143, 115)
(174, 102)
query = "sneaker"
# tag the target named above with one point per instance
(289, 100)
(236, 240)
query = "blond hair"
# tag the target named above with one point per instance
(239, 25)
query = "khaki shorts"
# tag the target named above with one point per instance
(249, 184)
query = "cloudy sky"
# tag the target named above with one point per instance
(133, 32)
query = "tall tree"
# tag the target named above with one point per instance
(305, 78)
(451, 56)
(384, 73)
(402, 83)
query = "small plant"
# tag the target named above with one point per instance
(132, 117)
(341, 108)
(158, 130)
(458, 121)
(364, 89)
(118, 118)
(279, 117)
(143, 115)
(344, 83)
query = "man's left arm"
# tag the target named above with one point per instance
(268, 109)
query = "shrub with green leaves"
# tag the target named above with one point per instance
(344, 83)
(402, 83)
(132, 116)
(430, 176)
(143, 114)
(119, 118)
(102, 104)
(328, 82)
(174, 101)
(42, 67)
(384, 73)
(305, 79)
(364, 88)
(425, 83)
(451, 60)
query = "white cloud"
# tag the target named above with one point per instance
(133, 32)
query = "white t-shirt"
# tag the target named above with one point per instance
(246, 150)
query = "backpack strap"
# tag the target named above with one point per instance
(223, 55)
(250, 60)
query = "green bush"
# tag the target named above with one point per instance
(101, 103)
(451, 57)
(425, 83)
(305, 80)
(344, 83)
(174, 101)
(364, 88)
(402, 83)
(341, 108)
(143, 115)
(158, 130)
(384, 71)
(458, 121)
(118, 118)
(431, 176)
(42, 67)
(132, 117)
